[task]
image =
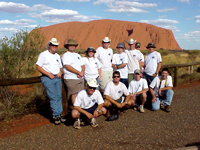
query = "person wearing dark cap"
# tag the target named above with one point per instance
(92, 65)
(49, 65)
(73, 69)
(119, 63)
(152, 63)
(138, 88)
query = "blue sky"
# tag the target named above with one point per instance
(181, 16)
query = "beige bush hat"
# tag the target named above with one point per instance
(137, 71)
(70, 42)
(54, 41)
(106, 40)
(131, 41)
(92, 83)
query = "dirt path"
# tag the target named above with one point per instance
(151, 130)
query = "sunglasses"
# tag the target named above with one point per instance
(53, 45)
(116, 76)
(92, 88)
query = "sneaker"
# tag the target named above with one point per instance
(141, 109)
(77, 124)
(167, 108)
(62, 119)
(56, 120)
(94, 123)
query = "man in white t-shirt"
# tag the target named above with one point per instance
(73, 70)
(134, 59)
(49, 65)
(104, 54)
(88, 104)
(114, 99)
(161, 90)
(141, 57)
(152, 63)
(138, 88)
(119, 63)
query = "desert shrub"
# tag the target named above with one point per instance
(188, 78)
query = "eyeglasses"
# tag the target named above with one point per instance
(116, 76)
(92, 88)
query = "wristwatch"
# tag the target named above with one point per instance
(97, 110)
(126, 102)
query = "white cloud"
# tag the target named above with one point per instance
(74, 0)
(197, 17)
(16, 22)
(182, 1)
(10, 7)
(41, 7)
(98, 2)
(166, 10)
(173, 28)
(162, 16)
(8, 30)
(198, 21)
(134, 4)
(57, 13)
(160, 22)
(31, 26)
(130, 10)
(193, 35)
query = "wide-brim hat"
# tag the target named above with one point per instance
(151, 45)
(90, 49)
(54, 41)
(70, 42)
(106, 40)
(131, 41)
(92, 83)
(120, 45)
(137, 71)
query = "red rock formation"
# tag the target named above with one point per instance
(91, 33)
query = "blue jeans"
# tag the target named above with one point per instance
(54, 91)
(125, 81)
(148, 78)
(167, 96)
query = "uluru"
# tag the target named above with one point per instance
(91, 33)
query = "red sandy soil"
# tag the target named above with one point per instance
(35, 120)
(91, 33)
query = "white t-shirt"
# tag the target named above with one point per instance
(75, 61)
(104, 56)
(119, 59)
(137, 86)
(49, 62)
(91, 67)
(86, 101)
(134, 56)
(115, 92)
(151, 62)
(155, 84)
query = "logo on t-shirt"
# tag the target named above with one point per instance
(153, 57)
(78, 57)
(93, 100)
(119, 92)
(109, 54)
(121, 59)
(134, 55)
(57, 60)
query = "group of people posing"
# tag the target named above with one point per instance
(114, 82)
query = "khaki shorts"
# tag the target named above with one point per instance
(74, 85)
(106, 76)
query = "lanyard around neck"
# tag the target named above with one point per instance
(161, 81)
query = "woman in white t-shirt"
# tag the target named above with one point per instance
(92, 65)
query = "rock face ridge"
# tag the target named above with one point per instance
(91, 33)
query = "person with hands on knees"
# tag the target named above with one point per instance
(49, 65)
(114, 99)
(88, 105)
(138, 88)
(161, 91)
(73, 69)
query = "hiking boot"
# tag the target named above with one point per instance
(142, 110)
(56, 120)
(167, 108)
(62, 119)
(162, 106)
(112, 118)
(94, 123)
(77, 124)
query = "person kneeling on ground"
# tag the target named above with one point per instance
(113, 93)
(138, 88)
(161, 90)
(88, 104)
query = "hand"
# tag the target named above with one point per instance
(154, 99)
(81, 74)
(51, 76)
(99, 78)
(120, 105)
(114, 67)
(89, 115)
(95, 114)
(133, 97)
(59, 74)
(159, 92)
(155, 74)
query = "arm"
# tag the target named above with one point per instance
(158, 69)
(127, 98)
(140, 92)
(163, 89)
(90, 116)
(42, 71)
(96, 113)
(121, 66)
(99, 74)
(71, 69)
(153, 95)
(119, 105)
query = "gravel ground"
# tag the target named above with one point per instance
(133, 130)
